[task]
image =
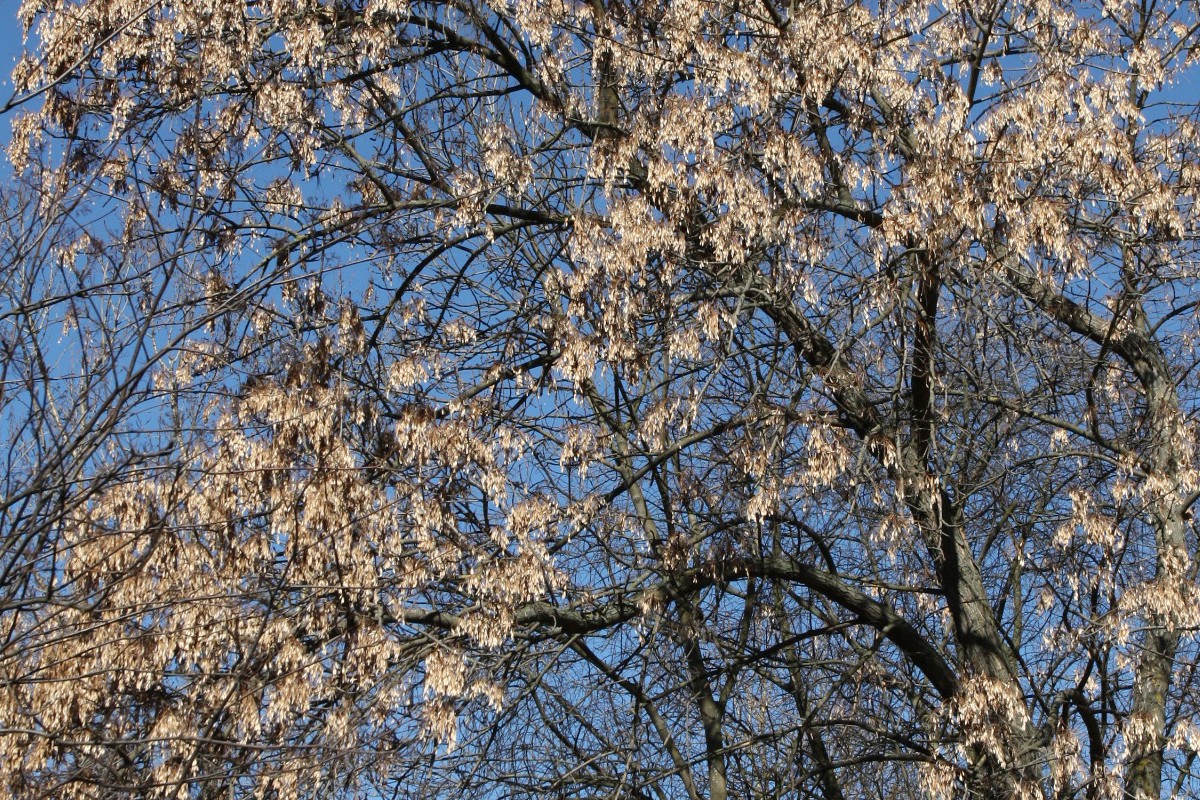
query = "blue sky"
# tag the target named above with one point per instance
(10, 48)
(10, 44)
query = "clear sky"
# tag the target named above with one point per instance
(10, 43)
(10, 48)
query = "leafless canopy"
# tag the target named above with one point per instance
(601, 398)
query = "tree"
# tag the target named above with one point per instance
(601, 399)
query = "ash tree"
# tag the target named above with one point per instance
(600, 398)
